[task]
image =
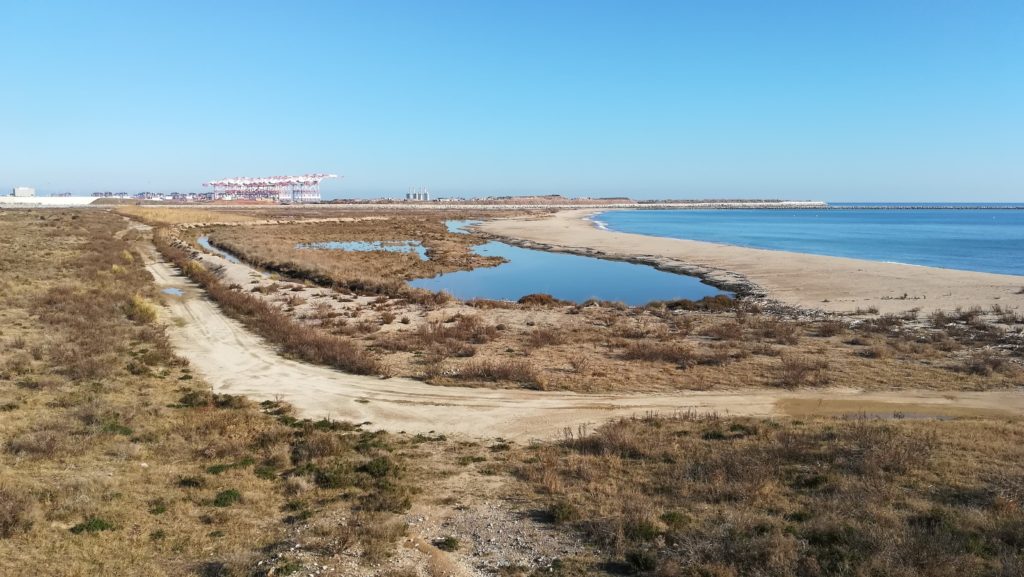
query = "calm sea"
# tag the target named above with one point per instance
(980, 239)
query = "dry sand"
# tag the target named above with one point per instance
(809, 281)
(238, 362)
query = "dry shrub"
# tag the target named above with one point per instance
(545, 337)
(780, 331)
(378, 535)
(717, 303)
(875, 351)
(831, 328)
(18, 510)
(540, 300)
(664, 352)
(141, 311)
(510, 370)
(580, 363)
(886, 323)
(985, 363)
(725, 331)
(489, 304)
(465, 329)
(45, 442)
(799, 371)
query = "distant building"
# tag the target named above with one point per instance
(418, 195)
(23, 191)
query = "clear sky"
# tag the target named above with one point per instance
(833, 100)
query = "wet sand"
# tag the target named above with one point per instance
(808, 281)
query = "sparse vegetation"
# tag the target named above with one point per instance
(800, 371)
(702, 495)
(109, 444)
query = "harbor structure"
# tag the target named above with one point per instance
(302, 188)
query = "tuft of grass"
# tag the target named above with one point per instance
(18, 510)
(92, 525)
(141, 310)
(540, 300)
(676, 353)
(831, 328)
(507, 370)
(448, 543)
(227, 498)
(985, 363)
(801, 371)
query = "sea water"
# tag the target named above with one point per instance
(971, 238)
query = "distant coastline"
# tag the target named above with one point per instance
(802, 280)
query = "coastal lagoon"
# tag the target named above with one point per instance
(975, 239)
(565, 276)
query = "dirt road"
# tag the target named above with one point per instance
(236, 361)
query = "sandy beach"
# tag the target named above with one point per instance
(831, 284)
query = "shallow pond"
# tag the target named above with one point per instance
(459, 226)
(565, 276)
(406, 246)
(173, 291)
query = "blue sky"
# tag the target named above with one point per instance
(889, 100)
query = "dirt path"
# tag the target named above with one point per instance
(236, 361)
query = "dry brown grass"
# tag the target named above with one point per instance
(115, 459)
(185, 215)
(692, 495)
(802, 371)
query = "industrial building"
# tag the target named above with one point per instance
(304, 188)
(418, 194)
(23, 191)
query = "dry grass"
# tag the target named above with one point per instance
(801, 371)
(116, 459)
(505, 370)
(185, 215)
(692, 495)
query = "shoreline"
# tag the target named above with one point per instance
(803, 281)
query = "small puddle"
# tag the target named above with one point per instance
(204, 241)
(403, 246)
(173, 291)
